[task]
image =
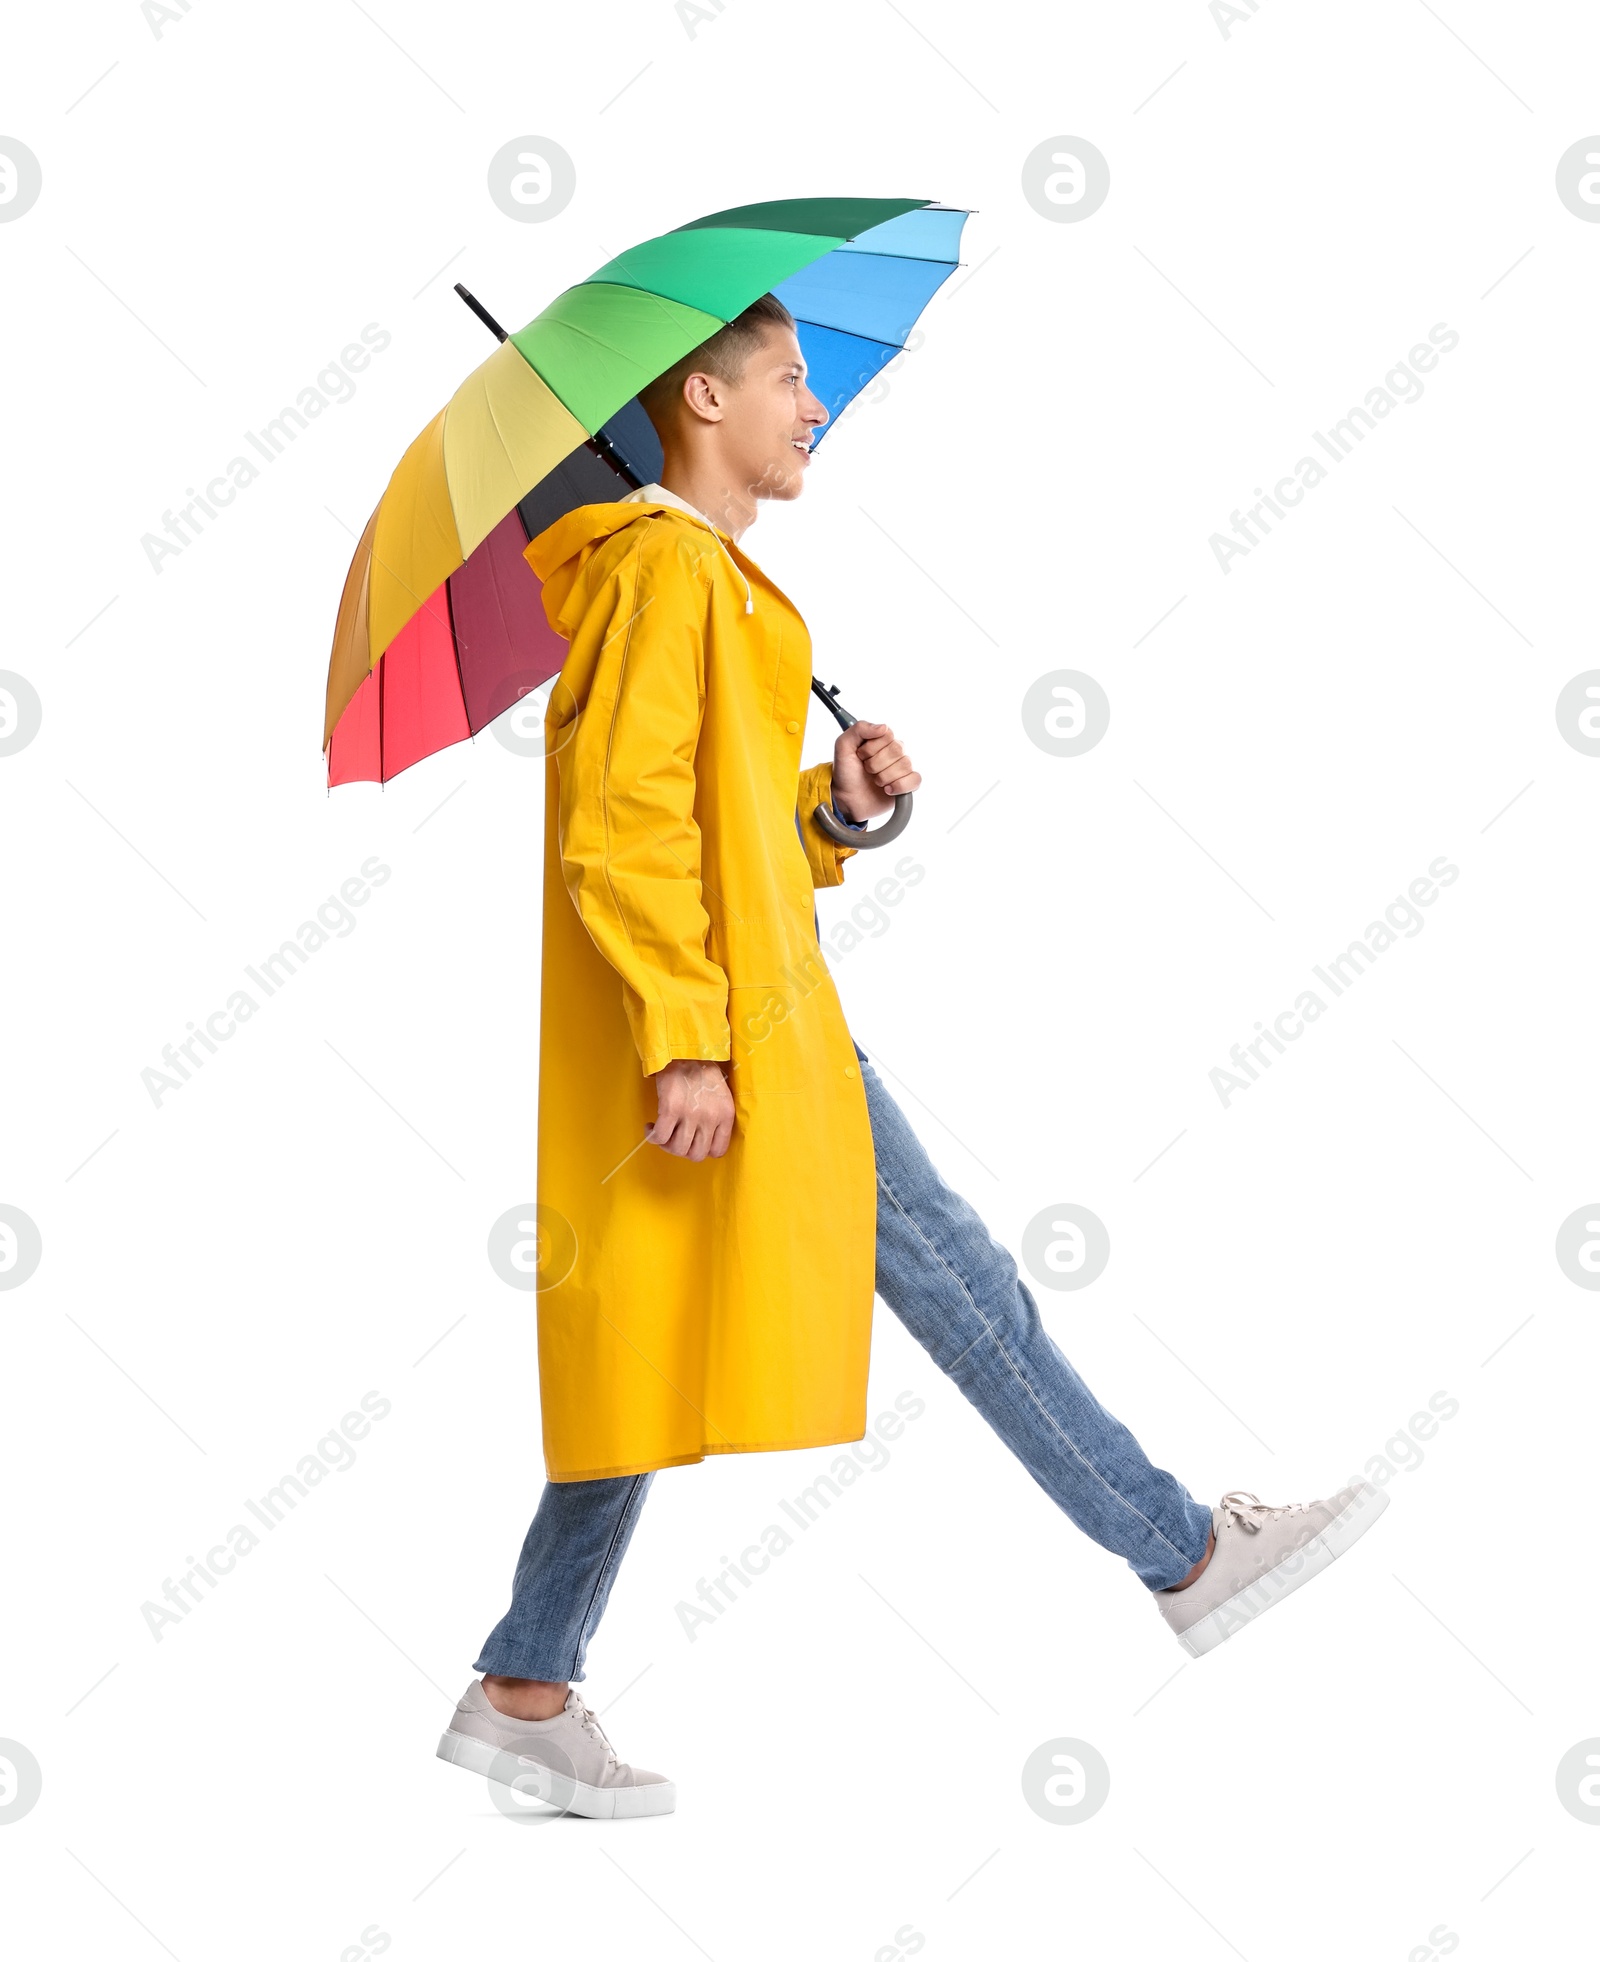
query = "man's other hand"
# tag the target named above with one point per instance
(694, 1110)
(870, 770)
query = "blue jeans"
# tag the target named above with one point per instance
(959, 1294)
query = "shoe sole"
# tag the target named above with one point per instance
(1315, 1557)
(533, 1780)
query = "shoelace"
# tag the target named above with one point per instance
(591, 1723)
(1246, 1510)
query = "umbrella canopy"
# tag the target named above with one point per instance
(441, 627)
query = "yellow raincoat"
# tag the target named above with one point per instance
(687, 1309)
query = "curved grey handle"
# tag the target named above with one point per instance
(826, 822)
(865, 841)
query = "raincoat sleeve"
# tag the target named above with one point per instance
(630, 846)
(825, 858)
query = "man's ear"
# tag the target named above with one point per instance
(702, 396)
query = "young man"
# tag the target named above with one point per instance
(723, 1180)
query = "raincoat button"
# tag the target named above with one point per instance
(849, 1069)
(793, 728)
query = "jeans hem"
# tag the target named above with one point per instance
(1162, 1586)
(525, 1671)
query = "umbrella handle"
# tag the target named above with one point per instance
(823, 818)
(841, 834)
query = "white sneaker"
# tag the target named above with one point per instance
(1263, 1553)
(565, 1760)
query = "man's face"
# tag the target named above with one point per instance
(771, 417)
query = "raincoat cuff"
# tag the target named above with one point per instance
(680, 1032)
(825, 858)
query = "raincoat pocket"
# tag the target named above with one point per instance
(767, 1023)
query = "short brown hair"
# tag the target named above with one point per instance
(725, 355)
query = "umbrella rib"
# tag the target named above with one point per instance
(895, 259)
(867, 340)
(455, 649)
(662, 300)
(506, 452)
(381, 678)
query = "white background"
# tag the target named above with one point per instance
(1373, 1223)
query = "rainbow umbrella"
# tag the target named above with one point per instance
(441, 626)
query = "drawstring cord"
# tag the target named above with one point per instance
(749, 601)
(689, 511)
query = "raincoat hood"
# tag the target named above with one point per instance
(562, 552)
